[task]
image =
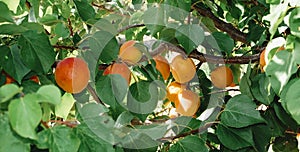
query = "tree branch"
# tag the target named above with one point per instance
(65, 47)
(233, 32)
(129, 27)
(205, 57)
(195, 131)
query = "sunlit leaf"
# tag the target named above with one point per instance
(25, 114)
(240, 111)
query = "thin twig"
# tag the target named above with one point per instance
(222, 91)
(129, 27)
(94, 94)
(70, 27)
(195, 131)
(65, 47)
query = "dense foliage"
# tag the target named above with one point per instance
(259, 112)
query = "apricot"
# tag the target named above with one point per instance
(188, 103)
(162, 65)
(72, 74)
(183, 69)
(35, 79)
(129, 53)
(262, 61)
(173, 89)
(119, 68)
(222, 77)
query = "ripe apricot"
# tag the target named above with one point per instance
(35, 79)
(72, 74)
(188, 103)
(173, 89)
(262, 61)
(162, 65)
(119, 68)
(130, 53)
(183, 69)
(221, 77)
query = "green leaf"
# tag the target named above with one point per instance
(292, 99)
(9, 140)
(110, 51)
(280, 69)
(51, 93)
(97, 121)
(11, 29)
(25, 114)
(143, 96)
(240, 111)
(137, 140)
(64, 107)
(112, 90)
(190, 36)
(178, 9)
(124, 119)
(155, 19)
(93, 46)
(90, 141)
(276, 16)
(12, 64)
(61, 30)
(12, 5)
(105, 25)
(235, 139)
(262, 90)
(8, 91)
(294, 22)
(49, 19)
(276, 126)
(189, 144)
(59, 139)
(85, 10)
(36, 51)
(296, 52)
(262, 136)
(273, 1)
(225, 42)
(5, 14)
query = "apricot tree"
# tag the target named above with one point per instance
(149, 75)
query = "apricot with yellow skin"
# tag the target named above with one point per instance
(222, 77)
(163, 66)
(183, 69)
(119, 68)
(72, 74)
(188, 103)
(129, 53)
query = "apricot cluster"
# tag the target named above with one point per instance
(182, 68)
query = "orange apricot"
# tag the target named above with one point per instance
(72, 74)
(188, 103)
(130, 53)
(119, 68)
(183, 69)
(35, 79)
(222, 77)
(162, 65)
(262, 61)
